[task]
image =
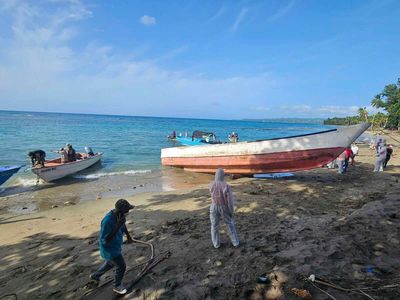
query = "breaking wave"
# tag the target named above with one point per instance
(98, 175)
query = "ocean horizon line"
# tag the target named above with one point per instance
(281, 119)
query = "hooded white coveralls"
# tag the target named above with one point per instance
(222, 206)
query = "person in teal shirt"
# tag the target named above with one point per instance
(111, 238)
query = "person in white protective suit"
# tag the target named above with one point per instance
(222, 206)
(380, 156)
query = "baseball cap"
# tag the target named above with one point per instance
(123, 205)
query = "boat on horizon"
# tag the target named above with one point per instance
(278, 155)
(54, 169)
(7, 171)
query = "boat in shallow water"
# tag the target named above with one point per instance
(198, 138)
(54, 169)
(7, 171)
(277, 155)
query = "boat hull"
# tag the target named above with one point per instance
(267, 156)
(52, 171)
(260, 163)
(7, 172)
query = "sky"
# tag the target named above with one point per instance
(198, 59)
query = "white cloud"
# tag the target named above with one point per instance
(302, 108)
(148, 20)
(40, 69)
(218, 14)
(239, 19)
(339, 110)
(282, 11)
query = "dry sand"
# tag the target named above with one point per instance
(342, 228)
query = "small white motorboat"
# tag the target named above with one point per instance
(54, 169)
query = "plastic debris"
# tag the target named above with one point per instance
(263, 279)
(304, 294)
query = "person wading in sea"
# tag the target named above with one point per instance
(111, 236)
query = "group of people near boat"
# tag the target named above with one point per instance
(383, 153)
(113, 229)
(345, 158)
(67, 153)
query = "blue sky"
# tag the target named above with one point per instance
(205, 59)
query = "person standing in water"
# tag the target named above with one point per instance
(222, 206)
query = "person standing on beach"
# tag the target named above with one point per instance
(222, 206)
(111, 237)
(389, 153)
(380, 157)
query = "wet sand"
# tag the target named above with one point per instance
(94, 186)
(342, 228)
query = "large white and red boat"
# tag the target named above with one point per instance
(288, 154)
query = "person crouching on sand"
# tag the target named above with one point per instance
(222, 206)
(111, 235)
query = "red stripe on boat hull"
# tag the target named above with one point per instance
(257, 163)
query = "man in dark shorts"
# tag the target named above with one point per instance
(111, 237)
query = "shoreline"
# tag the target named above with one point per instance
(317, 222)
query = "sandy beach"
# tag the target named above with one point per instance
(342, 228)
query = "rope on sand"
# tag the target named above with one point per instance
(313, 280)
(149, 264)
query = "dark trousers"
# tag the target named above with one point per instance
(386, 161)
(117, 262)
(346, 165)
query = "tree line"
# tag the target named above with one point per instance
(388, 100)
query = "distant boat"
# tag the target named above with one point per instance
(54, 169)
(198, 138)
(7, 171)
(277, 155)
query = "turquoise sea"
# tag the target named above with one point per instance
(131, 147)
(129, 143)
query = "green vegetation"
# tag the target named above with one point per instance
(388, 100)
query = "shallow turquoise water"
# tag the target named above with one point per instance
(130, 144)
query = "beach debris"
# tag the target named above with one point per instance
(9, 297)
(263, 278)
(276, 279)
(69, 203)
(304, 294)
(274, 293)
(98, 197)
(315, 281)
(218, 263)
